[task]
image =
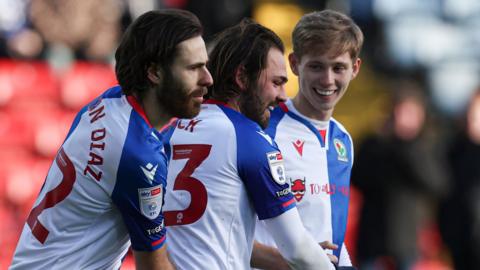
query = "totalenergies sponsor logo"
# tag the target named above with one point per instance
(298, 187)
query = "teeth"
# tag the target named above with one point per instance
(324, 92)
(270, 108)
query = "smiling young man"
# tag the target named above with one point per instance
(224, 170)
(105, 190)
(317, 150)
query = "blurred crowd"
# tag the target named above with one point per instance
(414, 113)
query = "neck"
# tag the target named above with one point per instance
(156, 115)
(307, 109)
(232, 103)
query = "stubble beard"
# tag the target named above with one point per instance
(252, 107)
(173, 96)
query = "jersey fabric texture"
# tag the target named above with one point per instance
(223, 171)
(103, 191)
(318, 171)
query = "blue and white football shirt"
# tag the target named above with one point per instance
(103, 191)
(223, 170)
(318, 168)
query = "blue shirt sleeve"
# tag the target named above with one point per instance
(140, 186)
(260, 165)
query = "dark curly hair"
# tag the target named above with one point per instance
(152, 39)
(245, 45)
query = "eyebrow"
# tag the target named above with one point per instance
(282, 78)
(316, 62)
(197, 64)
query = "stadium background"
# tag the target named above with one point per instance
(57, 55)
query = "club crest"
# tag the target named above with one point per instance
(297, 188)
(341, 150)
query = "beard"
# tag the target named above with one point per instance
(174, 96)
(251, 106)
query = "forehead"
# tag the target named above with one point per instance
(192, 50)
(276, 63)
(326, 57)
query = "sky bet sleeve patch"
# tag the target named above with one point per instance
(275, 161)
(151, 201)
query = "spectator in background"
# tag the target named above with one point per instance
(400, 178)
(90, 28)
(17, 38)
(460, 215)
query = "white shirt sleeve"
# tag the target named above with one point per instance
(295, 244)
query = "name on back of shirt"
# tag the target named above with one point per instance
(97, 142)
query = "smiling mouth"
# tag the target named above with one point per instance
(324, 92)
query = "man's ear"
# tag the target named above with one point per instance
(356, 67)
(293, 60)
(153, 74)
(240, 77)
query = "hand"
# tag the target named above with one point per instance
(331, 246)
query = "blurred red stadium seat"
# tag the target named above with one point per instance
(21, 177)
(14, 131)
(84, 81)
(50, 134)
(11, 229)
(27, 80)
(37, 130)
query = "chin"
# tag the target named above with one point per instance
(264, 121)
(195, 110)
(191, 113)
(186, 112)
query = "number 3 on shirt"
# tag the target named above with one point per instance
(196, 154)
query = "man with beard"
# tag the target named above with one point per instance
(224, 170)
(105, 190)
(318, 151)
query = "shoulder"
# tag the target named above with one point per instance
(142, 164)
(246, 131)
(339, 127)
(143, 143)
(341, 139)
(212, 123)
(338, 130)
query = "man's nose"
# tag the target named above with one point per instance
(327, 78)
(282, 94)
(206, 78)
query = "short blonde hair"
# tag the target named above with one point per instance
(329, 32)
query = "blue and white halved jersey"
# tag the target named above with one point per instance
(318, 169)
(103, 191)
(223, 172)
